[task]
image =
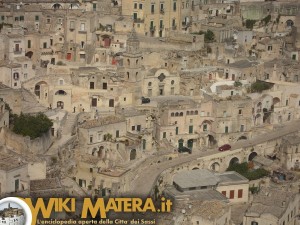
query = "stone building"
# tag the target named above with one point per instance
(230, 184)
(16, 171)
(279, 207)
(4, 115)
(290, 154)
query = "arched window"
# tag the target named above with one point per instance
(172, 82)
(128, 62)
(149, 84)
(172, 114)
(196, 112)
(177, 114)
(181, 114)
(60, 92)
(187, 112)
(192, 112)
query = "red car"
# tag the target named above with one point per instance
(225, 147)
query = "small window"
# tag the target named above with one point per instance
(133, 128)
(240, 112)
(140, 6)
(37, 18)
(135, 5)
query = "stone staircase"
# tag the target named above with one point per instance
(70, 124)
(67, 133)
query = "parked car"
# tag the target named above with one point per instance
(184, 149)
(145, 100)
(225, 147)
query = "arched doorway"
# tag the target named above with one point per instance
(266, 116)
(101, 152)
(211, 140)
(60, 104)
(234, 160)
(180, 143)
(132, 154)
(190, 143)
(56, 6)
(289, 23)
(215, 166)
(38, 88)
(252, 156)
(29, 54)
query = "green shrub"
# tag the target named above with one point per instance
(260, 86)
(250, 24)
(32, 126)
(243, 169)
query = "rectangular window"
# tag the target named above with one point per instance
(91, 139)
(240, 112)
(82, 26)
(176, 131)
(152, 8)
(204, 127)
(94, 6)
(242, 128)
(16, 18)
(82, 183)
(226, 130)
(21, 18)
(174, 6)
(117, 133)
(140, 6)
(104, 86)
(72, 24)
(287, 102)
(138, 127)
(45, 45)
(135, 5)
(133, 128)
(231, 196)
(190, 129)
(37, 18)
(164, 134)
(240, 193)
(224, 193)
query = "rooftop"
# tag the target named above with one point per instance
(243, 64)
(231, 177)
(199, 195)
(45, 184)
(195, 178)
(102, 121)
(272, 201)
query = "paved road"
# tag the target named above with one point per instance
(144, 181)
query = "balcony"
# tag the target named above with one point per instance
(138, 20)
(17, 51)
(186, 24)
(161, 27)
(162, 11)
(174, 27)
(82, 31)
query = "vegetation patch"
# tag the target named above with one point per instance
(260, 86)
(244, 170)
(32, 126)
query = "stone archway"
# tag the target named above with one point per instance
(195, 168)
(252, 156)
(234, 160)
(38, 88)
(29, 54)
(215, 167)
(242, 138)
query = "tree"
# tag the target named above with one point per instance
(250, 24)
(209, 36)
(32, 126)
(260, 86)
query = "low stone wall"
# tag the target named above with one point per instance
(24, 145)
